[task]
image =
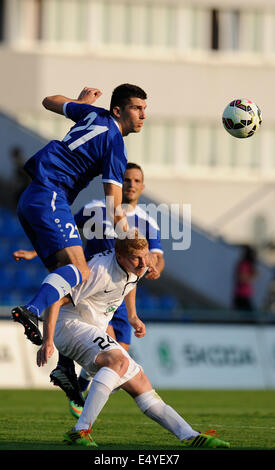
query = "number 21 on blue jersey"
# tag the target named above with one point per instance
(90, 131)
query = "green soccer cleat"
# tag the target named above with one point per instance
(75, 409)
(80, 438)
(205, 441)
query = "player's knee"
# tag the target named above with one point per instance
(115, 360)
(119, 363)
(124, 364)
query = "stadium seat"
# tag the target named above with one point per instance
(6, 279)
(11, 298)
(168, 302)
(5, 251)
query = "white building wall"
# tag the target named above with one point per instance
(60, 46)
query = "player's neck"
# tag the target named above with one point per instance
(130, 205)
(118, 125)
(124, 130)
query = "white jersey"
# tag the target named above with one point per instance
(96, 300)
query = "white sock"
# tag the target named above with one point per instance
(155, 408)
(103, 383)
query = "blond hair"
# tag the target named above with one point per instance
(133, 240)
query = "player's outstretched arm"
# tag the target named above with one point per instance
(49, 322)
(24, 254)
(55, 103)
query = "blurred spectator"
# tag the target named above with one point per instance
(20, 178)
(244, 280)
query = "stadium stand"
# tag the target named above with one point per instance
(20, 280)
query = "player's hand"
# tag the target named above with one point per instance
(89, 95)
(44, 353)
(139, 327)
(24, 254)
(152, 272)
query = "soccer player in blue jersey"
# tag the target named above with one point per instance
(59, 171)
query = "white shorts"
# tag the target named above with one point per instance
(82, 342)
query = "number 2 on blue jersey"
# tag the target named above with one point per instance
(90, 131)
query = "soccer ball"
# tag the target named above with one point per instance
(242, 118)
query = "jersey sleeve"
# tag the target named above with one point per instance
(153, 237)
(114, 162)
(77, 111)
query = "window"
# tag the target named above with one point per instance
(225, 30)
(38, 18)
(251, 31)
(2, 15)
(139, 24)
(215, 30)
(62, 20)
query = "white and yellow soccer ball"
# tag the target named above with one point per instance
(242, 118)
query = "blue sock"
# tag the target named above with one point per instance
(83, 383)
(84, 380)
(54, 287)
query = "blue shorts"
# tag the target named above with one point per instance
(121, 325)
(46, 218)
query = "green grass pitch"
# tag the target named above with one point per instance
(37, 419)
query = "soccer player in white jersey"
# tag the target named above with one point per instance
(80, 334)
(94, 216)
(59, 171)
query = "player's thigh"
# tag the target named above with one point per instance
(82, 342)
(47, 220)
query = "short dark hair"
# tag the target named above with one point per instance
(122, 94)
(135, 166)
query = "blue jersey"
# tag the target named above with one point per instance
(99, 233)
(93, 146)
